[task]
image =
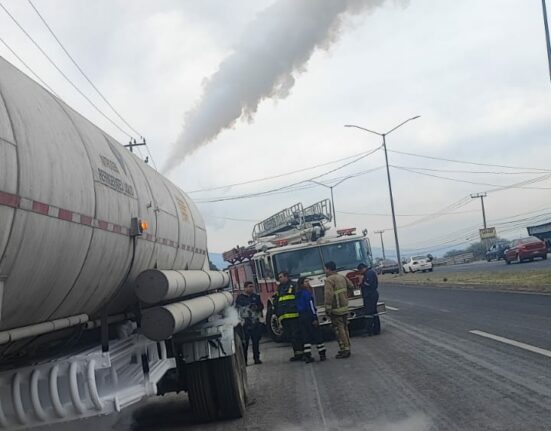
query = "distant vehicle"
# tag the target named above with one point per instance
(387, 266)
(525, 249)
(497, 251)
(417, 263)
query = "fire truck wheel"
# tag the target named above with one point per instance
(230, 380)
(274, 327)
(201, 392)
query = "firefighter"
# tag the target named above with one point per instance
(309, 323)
(287, 313)
(249, 305)
(336, 306)
(369, 285)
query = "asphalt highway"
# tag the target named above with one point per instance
(446, 360)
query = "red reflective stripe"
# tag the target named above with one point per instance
(41, 208)
(85, 220)
(102, 224)
(9, 200)
(117, 228)
(65, 215)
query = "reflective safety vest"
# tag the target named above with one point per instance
(286, 302)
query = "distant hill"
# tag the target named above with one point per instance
(217, 259)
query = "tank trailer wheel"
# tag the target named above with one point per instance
(230, 379)
(200, 391)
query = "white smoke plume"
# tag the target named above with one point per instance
(264, 64)
(229, 318)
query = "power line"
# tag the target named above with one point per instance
(231, 219)
(287, 187)
(257, 180)
(88, 79)
(28, 67)
(496, 187)
(61, 72)
(404, 215)
(467, 162)
(458, 171)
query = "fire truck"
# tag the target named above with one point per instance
(300, 241)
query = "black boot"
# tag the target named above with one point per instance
(296, 358)
(323, 356)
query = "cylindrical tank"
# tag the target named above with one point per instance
(68, 192)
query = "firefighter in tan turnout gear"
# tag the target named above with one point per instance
(336, 306)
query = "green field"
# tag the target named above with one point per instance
(532, 281)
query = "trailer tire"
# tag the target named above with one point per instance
(201, 392)
(230, 379)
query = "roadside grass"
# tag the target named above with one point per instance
(529, 281)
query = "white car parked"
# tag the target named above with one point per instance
(417, 263)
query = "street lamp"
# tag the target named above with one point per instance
(332, 199)
(383, 135)
(547, 38)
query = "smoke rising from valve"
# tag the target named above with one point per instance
(264, 64)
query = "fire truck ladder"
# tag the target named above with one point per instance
(293, 218)
(318, 212)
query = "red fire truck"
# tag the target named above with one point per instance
(299, 240)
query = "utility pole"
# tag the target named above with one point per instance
(132, 143)
(384, 135)
(481, 196)
(547, 39)
(380, 232)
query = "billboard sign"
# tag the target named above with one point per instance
(488, 233)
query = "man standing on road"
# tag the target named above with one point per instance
(287, 313)
(336, 306)
(369, 286)
(249, 305)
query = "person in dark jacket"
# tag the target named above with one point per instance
(309, 323)
(286, 311)
(249, 306)
(370, 294)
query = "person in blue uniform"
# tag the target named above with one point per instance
(308, 319)
(370, 294)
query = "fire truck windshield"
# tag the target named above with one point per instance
(346, 255)
(310, 261)
(299, 263)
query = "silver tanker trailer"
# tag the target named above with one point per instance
(106, 296)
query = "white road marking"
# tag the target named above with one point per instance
(524, 346)
(391, 308)
(318, 398)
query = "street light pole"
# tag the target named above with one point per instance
(380, 232)
(332, 197)
(333, 207)
(547, 39)
(384, 135)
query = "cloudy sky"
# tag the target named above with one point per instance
(476, 71)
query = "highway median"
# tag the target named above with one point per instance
(537, 281)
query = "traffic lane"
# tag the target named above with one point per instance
(520, 316)
(494, 266)
(416, 376)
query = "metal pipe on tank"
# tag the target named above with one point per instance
(41, 328)
(155, 285)
(160, 323)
